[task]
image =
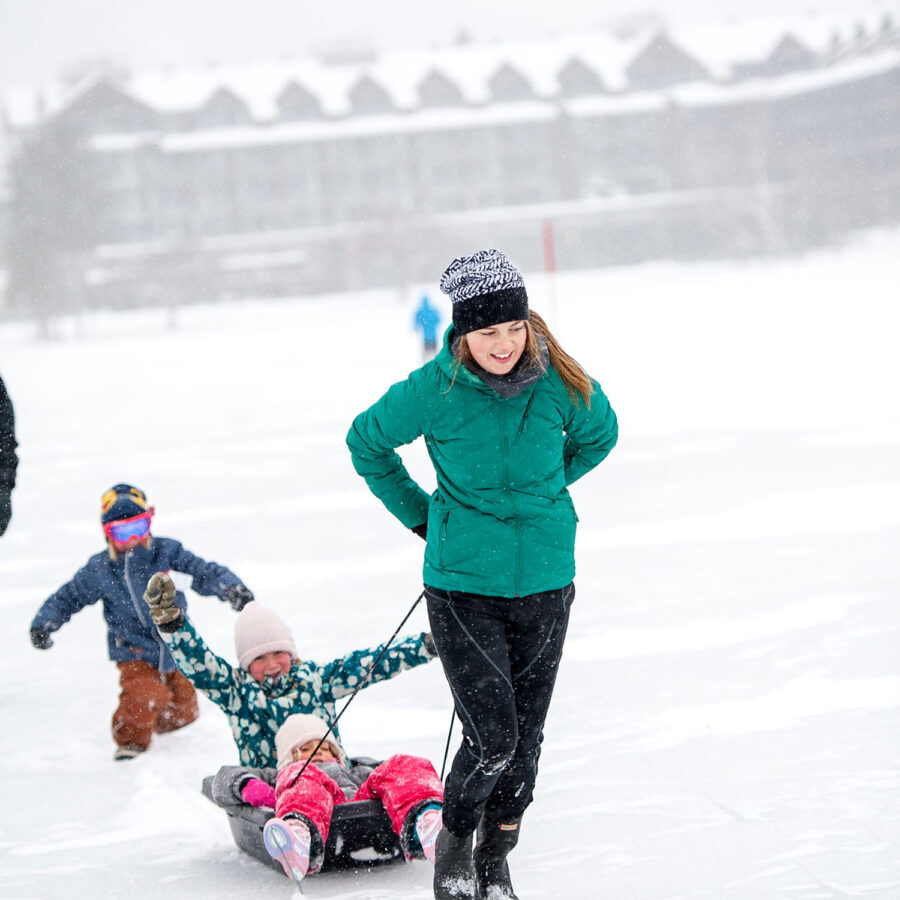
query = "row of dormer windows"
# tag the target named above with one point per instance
(109, 108)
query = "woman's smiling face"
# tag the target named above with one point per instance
(498, 348)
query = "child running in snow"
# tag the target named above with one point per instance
(270, 682)
(155, 696)
(314, 774)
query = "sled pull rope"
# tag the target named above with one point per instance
(357, 689)
(447, 747)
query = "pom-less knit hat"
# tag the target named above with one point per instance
(485, 289)
(122, 501)
(296, 730)
(258, 630)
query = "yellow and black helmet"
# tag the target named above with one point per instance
(122, 501)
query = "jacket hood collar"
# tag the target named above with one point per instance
(445, 359)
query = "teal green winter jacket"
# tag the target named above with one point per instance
(501, 521)
(256, 710)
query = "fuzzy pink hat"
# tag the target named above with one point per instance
(259, 630)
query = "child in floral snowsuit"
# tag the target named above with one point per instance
(270, 683)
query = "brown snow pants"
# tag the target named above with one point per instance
(151, 701)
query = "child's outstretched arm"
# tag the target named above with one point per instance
(206, 671)
(210, 578)
(60, 606)
(344, 674)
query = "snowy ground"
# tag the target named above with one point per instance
(727, 718)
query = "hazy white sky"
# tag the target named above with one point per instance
(38, 38)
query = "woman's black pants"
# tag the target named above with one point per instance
(500, 656)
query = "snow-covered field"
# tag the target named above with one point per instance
(727, 719)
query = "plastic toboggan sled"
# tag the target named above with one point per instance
(360, 832)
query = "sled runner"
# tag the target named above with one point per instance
(360, 832)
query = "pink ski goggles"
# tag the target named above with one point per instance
(123, 530)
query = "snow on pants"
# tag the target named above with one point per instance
(500, 656)
(401, 783)
(151, 701)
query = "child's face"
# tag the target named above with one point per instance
(270, 665)
(325, 753)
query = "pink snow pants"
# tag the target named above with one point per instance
(399, 783)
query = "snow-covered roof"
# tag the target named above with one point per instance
(705, 93)
(719, 47)
(698, 93)
(722, 46)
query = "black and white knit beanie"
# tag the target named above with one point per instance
(485, 289)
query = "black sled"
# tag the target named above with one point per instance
(360, 833)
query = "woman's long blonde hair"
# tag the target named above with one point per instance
(576, 380)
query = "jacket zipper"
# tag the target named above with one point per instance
(504, 443)
(141, 619)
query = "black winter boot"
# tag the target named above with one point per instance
(453, 875)
(495, 840)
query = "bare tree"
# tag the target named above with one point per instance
(52, 225)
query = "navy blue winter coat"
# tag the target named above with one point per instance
(120, 585)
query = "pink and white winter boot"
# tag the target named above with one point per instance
(428, 825)
(288, 842)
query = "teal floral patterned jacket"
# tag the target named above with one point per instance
(256, 709)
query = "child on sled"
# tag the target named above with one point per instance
(314, 774)
(270, 682)
(155, 696)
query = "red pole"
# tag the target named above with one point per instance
(550, 269)
(549, 249)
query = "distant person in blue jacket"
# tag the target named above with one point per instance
(426, 320)
(155, 696)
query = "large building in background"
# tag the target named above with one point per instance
(358, 170)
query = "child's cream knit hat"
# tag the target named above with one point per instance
(259, 630)
(296, 730)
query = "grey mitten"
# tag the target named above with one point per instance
(40, 637)
(238, 596)
(160, 597)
